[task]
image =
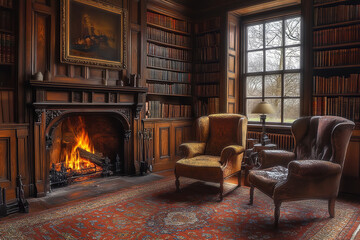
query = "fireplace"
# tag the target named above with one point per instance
(95, 125)
(86, 146)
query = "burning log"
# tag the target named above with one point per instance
(96, 159)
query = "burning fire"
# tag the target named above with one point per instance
(73, 160)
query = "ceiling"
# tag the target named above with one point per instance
(239, 7)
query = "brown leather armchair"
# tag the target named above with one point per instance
(218, 152)
(312, 171)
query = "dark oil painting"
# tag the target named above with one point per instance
(94, 32)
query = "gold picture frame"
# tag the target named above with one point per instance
(93, 33)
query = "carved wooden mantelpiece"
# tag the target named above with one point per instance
(52, 102)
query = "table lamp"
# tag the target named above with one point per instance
(263, 108)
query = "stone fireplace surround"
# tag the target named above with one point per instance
(53, 102)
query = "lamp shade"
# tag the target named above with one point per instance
(263, 108)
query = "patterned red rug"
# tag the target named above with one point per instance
(155, 211)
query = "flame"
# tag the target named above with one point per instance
(73, 161)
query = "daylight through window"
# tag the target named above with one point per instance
(272, 72)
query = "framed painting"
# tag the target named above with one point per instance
(93, 33)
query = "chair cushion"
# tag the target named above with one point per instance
(223, 132)
(266, 179)
(203, 167)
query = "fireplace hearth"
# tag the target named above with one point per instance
(85, 146)
(83, 131)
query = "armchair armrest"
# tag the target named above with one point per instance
(189, 150)
(230, 151)
(271, 158)
(313, 168)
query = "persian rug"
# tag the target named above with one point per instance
(156, 211)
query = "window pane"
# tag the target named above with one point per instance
(292, 85)
(273, 34)
(250, 104)
(276, 104)
(255, 37)
(254, 86)
(255, 61)
(274, 60)
(273, 85)
(292, 58)
(291, 110)
(292, 31)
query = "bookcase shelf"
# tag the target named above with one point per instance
(335, 46)
(339, 24)
(349, 67)
(330, 3)
(167, 69)
(169, 45)
(169, 66)
(168, 29)
(169, 95)
(8, 47)
(165, 81)
(336, 69)
(169, 58)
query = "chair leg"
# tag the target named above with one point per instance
(221, 189)
(332, 207)
(177, 184)
(239, 179)
(277, 213)
(251, 194)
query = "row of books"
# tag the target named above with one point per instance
(168, 76)
(168, 37)
(207, 90)
(337, 84)
(157, 109)
(167, 52)
(207, 77)
(6, 3)
(348, 107)
(209, 39)
(183, 89)
(207, 54)
(7, 48)
(340, 13)
(207, 106)
(208, 25)
(5, 20)
(210, 67)
(337, 35)
(337, 57)
(170, 64)
(168, 22)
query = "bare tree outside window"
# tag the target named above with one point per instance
(273, 53)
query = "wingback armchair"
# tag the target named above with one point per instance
(218, 152)
(312, 171)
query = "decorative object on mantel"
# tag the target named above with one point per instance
(47, 76)
(263, 108)
(93, 33)
(20, 205)
(38, 76)
(134, 80)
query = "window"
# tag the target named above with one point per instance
(272, 71)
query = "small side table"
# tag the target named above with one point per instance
(252, 157)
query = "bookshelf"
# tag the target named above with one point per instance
(8, 14)
(169, 66)
(207, 72)
(336, 65)
(7, 43)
